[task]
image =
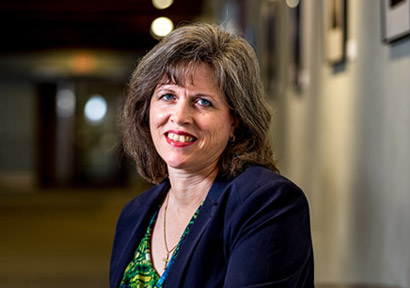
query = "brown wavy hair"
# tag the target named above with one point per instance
(237, 73)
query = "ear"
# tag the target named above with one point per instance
(235, 124)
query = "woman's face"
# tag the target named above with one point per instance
(191, 125)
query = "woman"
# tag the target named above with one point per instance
(196, 123)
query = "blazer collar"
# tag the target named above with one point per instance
(176, 274)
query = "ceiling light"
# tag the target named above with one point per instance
(65, 103)
(95, 109)
(292, 3)
(161, 27)
(162, 4)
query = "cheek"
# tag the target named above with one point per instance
(156, 117)
(155, 129)
(154, 120)
(221, 128)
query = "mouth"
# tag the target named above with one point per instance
(179, 138)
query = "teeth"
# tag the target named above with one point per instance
(180, 138)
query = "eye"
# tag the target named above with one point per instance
(168, 97)
(204, 102)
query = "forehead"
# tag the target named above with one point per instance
(191, 73)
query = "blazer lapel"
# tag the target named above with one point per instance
(177, 272)
(138, 220)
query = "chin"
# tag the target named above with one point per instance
(177, 164)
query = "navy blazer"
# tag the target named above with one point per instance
(252, 231)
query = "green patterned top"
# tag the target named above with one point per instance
(140, 273)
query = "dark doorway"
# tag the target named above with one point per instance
(78, 134)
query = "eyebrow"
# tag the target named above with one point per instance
(204, 95)
(169, 87)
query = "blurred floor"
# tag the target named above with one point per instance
(58, 239)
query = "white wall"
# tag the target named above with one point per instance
(348, 139)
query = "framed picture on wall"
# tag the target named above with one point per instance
(395, 19)
(270, 14)
(335, 30)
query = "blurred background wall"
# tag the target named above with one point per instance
(341, 107)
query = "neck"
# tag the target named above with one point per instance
(190, 189)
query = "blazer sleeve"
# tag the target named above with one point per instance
(269, 242)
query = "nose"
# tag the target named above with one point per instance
(182, 113)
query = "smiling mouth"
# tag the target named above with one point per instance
(180, 138)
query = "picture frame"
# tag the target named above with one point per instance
(395, 20)
(297, 55)
(335, 30)
(270, 14)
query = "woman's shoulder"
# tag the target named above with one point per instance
(260, 174)
(260, 196)
(260, 184)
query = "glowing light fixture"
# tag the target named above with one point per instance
(83, 63)
(162, 4)
(95, 109)
(292, 3)
(161, 27)
(65, 103)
